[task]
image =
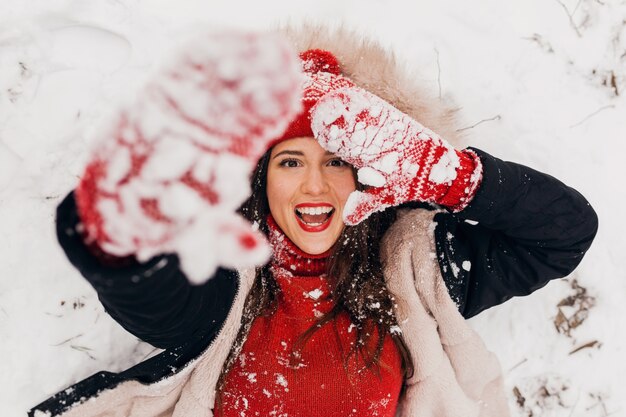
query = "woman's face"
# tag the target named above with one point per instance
(307, 188)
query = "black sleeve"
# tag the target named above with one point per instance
(152, 300)
(522, 229)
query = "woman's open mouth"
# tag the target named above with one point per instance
(314, 217)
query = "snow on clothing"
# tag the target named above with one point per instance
(169, 171)
(531, 228)
(397, 156)
(265, 380)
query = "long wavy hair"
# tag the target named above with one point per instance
(356, 280)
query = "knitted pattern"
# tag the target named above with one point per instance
(321, 76)
(270, 378)
(396, 156)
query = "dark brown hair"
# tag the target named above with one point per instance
(356, 279)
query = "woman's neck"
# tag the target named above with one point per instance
(287, 256)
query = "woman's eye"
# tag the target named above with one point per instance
(337, 163)
(289, 163)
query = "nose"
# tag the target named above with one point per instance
(315, 182)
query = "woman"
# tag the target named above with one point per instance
(358, 320)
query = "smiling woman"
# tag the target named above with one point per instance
(321, 305)
(306, 188)
(357, 306)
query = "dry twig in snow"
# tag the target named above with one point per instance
(498, 117)
(571, 16)
(591, 344)
(610, 106)
(438, 72)
(518, 364)
(543, 44)
(68, 340)
(85, 350)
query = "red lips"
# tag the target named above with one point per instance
(307, 227)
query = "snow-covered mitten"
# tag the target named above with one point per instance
(173, 169)
(321, 76)
(395, 155)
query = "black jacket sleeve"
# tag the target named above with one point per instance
(522, 229)
(152, 300)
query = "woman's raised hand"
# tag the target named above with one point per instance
(398, 158)
(169, 174)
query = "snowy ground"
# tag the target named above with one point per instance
(539, 82)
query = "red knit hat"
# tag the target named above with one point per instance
(323, 75)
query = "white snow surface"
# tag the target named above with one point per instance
(540, 83)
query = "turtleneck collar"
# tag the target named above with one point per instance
(288, 256)
(301, 277)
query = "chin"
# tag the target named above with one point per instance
(316, 245)
(313, 249)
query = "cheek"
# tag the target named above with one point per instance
(345, 186)
(279, 191)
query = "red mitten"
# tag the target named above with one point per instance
(396, 156)
(171, 172)
(322, 76)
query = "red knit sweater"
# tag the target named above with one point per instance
(266, 381)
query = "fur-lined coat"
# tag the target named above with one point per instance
(522, 229)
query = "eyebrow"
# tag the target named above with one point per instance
(296, 153)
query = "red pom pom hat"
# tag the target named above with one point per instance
(317, 65)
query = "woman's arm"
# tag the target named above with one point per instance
(531, 228)
(152, 300)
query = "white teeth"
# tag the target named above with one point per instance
(314, 210)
